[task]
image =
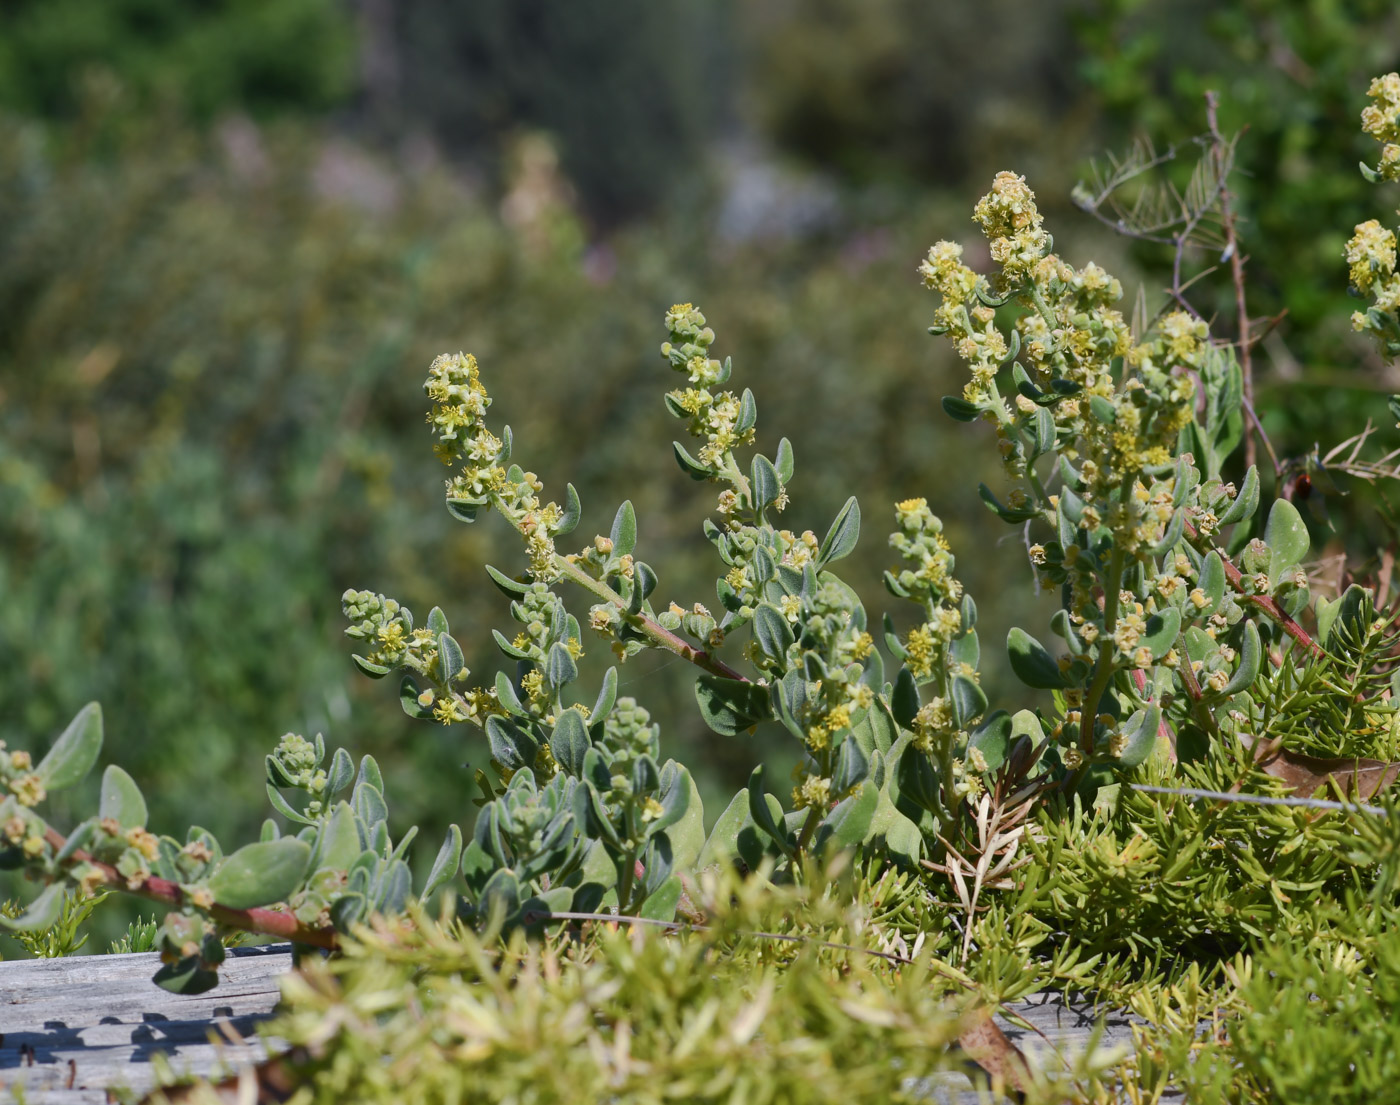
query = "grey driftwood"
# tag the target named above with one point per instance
(85, 1031)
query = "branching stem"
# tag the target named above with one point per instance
(1275, 612)
(657, 634)
(268, 922)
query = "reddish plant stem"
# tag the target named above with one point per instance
(269, 922)
(1263, 602)
(1193, 691)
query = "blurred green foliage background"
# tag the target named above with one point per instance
(234, 233)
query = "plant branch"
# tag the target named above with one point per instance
(1194, 692)
(1246, 339)
(654, 632)
(268, 922)
(1263, 602)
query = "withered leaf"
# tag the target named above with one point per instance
(1358, 778)
(987, 1045)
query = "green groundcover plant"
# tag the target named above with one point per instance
(1196, 822)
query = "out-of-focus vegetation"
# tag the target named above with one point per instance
(213, 330)
(265, 56)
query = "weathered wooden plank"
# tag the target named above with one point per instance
(72, 1028)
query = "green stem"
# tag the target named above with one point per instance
(1193, 691)
(656, 634)
(1103, 672)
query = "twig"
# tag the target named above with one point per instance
(1264, 602)
(1262, 799)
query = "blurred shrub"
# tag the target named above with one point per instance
(631, 89)
(903, 88)
(261, 55)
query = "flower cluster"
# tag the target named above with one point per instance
(484, 480)
(296, 763)
(718, 418)
(928, 580)
(19, 779)
(397, 643)
(1370, 254)
(458, 421)
(1011, 221)
(964, 317)
(1381, 120)
(388, 629)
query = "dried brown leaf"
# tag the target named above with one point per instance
(987, 1045)
(1358, 777)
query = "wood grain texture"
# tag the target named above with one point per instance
(71, 1029)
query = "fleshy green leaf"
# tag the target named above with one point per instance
(841, 538)
(607, 698)
(374, 671)
(969, 700)
(1251, 660)
(730, 706)
(573, 511)
(771, 630)
(762, 813)
(121, 799)
(450, 660)
(783, 462)
(723, 842)
(689, 465)
(1212, 582)
(569, 742)
(850, 820)
(259, 874)
(1246, 502)
(408, 699)
(624, 530)
(1032, 662)
(992, 738)
(75, 750)
(1286, 534)
(43, 911)
(1005, 513)
(511, 588)
(1161, 632)
(961, 409)
(339, 844)
(560, 667)
(904, 701)
(765, 484)
(661, 904)
(687, 834)
(1141, 733)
